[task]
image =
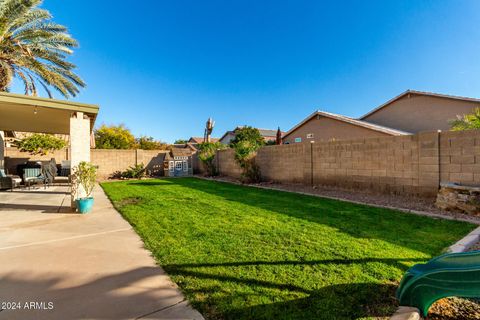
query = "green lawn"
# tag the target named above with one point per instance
(245, 253)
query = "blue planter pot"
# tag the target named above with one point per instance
(84, 205)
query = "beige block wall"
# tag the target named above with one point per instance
(421, 113)
(413, 164)
(327, 129)
(107, 160)
(460, 157)
(226, 163)
(110, 161)
(282, 163)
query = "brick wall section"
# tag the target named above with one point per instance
(226, 163)
(152, 160)
(460, 157)
(108, 161)
(413, 164)
(282, 163)
(381, 164)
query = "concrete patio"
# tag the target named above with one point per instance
(76, 266)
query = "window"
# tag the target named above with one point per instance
(298, 139)
(185, 166)
(170, 166)
(178, 165)
(309, 135)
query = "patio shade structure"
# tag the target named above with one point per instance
(41, 115)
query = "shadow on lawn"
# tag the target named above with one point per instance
(359, 221)
(339, 301)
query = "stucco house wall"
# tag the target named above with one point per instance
(327, 129)
(415, 113)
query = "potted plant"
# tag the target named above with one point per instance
(83, 181)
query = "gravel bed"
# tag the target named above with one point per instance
(456, 308)
(367, 197)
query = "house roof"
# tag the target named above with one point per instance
(228, 132)
(201, 140)
(422, 93)
(181, 152)
(346, 119)
(263, 132)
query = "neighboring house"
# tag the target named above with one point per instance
(198, 140)
(325, 126)
(267, 134)
(416, 111)
(408, 113)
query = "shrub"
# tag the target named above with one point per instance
(85, 175)
(246, 143)
(40, 144)
(467, 121)
(206, 154)
(135, 172)
(148, 143)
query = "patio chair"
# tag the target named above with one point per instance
(8, 181)
(32, 176)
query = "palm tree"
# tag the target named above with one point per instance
(467, 121)
(34, 49)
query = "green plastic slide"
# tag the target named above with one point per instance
(449, 275)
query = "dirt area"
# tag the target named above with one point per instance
(367, 197)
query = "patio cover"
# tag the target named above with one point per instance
(33, 114)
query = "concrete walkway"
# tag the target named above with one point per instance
(77, 266)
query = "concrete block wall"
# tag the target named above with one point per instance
(226, 163)
(107, 160)
(110, 160)
(413, 164)
(152, 160)
(460, 157)
(282, 163)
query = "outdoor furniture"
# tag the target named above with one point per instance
(9, 181)
(32, 176)
(57, 174)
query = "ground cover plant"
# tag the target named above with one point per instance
(239, 252)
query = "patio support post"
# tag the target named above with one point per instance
(2, 149)
(79, 145)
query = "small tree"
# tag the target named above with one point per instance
(40, 144)
(206, 154)
(85, 175)
(148, 143)
(467, 121)
(114, 137)
(246, 143)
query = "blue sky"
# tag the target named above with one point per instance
(163, 67)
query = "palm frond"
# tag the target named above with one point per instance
(34, 49)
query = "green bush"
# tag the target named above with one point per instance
(246, 143)
(40, 144)
(467, 121)
(135, 172)
(85, 175)
(148, 143)
(206, 154)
